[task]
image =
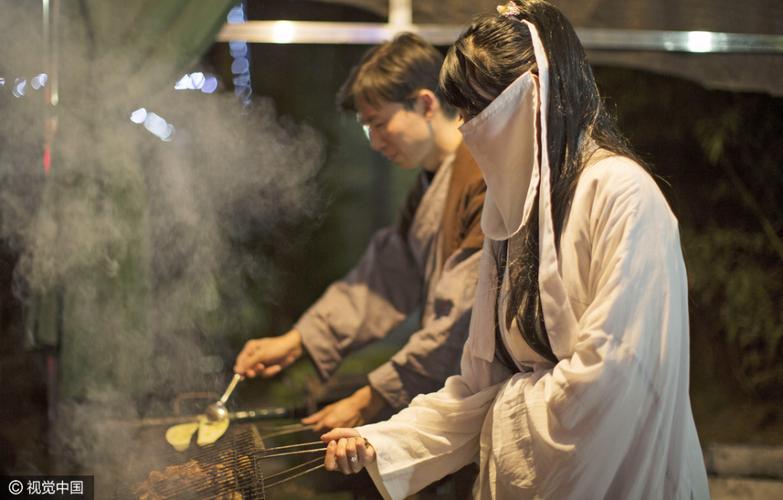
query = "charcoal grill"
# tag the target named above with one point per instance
(232, 468)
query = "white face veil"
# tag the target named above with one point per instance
(503, 139)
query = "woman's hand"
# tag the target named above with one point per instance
(347, 451)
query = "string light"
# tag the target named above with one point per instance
(20, 85)
(197, 81)
(240, 52)
(39, 81)
(154, 124)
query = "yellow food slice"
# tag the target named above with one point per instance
(209, 432)
(179, 436)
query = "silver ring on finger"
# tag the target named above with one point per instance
(354, 459)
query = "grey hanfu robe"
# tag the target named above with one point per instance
(428, 261)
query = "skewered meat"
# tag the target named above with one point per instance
(190, 479)
(233, 495)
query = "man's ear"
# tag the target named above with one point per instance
(427, 103)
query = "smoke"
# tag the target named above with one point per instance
(140, 259)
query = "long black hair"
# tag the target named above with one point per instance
(490, 55)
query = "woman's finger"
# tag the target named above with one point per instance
(342, 458)
(353, 455)
(370, 454)
(364, 452)
(336, 434)
(330, 462)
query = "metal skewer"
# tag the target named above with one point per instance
(278, 450)
(297, 469)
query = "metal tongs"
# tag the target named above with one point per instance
(217, 411)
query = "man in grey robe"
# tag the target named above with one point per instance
(427, 261)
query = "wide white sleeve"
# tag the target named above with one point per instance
(439, 432)
(436, 435)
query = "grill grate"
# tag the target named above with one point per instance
(226, 470)
(231, 468)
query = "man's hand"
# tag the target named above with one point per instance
(357, 409)
(268, 356)
(347, 450)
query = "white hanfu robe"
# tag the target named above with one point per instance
(612, 419)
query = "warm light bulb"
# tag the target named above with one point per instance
(283, 32)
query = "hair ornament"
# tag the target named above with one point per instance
(510, 9)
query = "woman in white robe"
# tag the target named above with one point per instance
(574, 378)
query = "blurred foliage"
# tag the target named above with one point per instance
(730, 273)
(736, 264)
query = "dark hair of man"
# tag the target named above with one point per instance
(393, 72)
(490, 55)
